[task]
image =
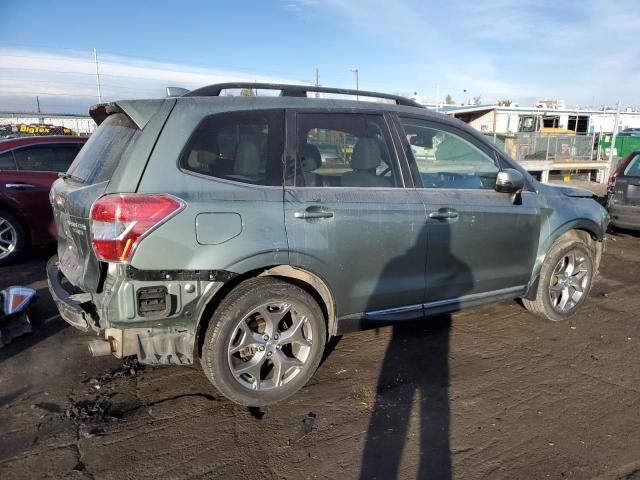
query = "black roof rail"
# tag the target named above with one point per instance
(296, 91)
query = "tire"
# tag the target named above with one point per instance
(250, 356)
(12, 238)
(559, 281)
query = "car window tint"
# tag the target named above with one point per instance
(343, 150)
(633, 169)
(46, 157)
(6, 161)
(244, 147)
(446, 160)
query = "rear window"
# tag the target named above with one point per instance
(100, 156)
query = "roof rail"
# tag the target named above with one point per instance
(296, 91)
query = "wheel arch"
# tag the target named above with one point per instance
(584, 230)
(308, 281)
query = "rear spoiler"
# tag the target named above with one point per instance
(139, 111)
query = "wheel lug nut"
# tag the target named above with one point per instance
(278, 347)
(269, 354)
(261, 348)
(275, 337)
(265, 337)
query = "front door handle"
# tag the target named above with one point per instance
(19, 186)
(443, 214)
(311, 212)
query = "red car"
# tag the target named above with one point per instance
(28, 167)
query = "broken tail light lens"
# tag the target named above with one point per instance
(119, 222)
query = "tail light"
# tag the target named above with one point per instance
(119, 222)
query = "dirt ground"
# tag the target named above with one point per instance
(490, 393)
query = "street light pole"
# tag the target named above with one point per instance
(95, 58)
(356, 71)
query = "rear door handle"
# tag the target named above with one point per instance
(443, 214)
(19, 186)
(309, 213)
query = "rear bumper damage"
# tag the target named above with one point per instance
(152, 345)
(625, 216)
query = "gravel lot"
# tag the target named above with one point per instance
(489, 393)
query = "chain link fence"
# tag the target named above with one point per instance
(21, 125)
(551, 147)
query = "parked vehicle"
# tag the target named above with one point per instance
(623, 199)
(198, 229)
(28, 167)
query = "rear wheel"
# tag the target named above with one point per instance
(264, 342)
(12, 237)
(565, 281)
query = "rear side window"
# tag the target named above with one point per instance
(244, 147)
(52, 157)
(100, 156)
(343, 150)
(633, 169)
(6, 161)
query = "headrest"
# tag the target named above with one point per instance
(247, 161)
(366, 154)
(310, 158)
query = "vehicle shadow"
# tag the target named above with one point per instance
(414, 382)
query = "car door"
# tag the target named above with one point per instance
(479, 242)
(352, 216)
(27, 186)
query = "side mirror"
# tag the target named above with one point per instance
(509, 180)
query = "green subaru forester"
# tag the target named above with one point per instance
(247, 231)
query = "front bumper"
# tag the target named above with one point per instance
(75, 313)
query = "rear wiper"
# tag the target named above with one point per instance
(65, 176)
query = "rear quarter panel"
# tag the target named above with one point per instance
(257, 237)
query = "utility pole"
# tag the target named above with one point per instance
(317, 81)
(38, 103)
(616, 123)
(95, 58)
(356, 71)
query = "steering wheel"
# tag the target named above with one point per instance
(384, 172)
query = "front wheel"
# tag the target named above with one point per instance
(264, 342)
(565, 281)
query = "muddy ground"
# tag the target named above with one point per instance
(491, 393)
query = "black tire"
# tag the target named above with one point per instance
(19, 242)
(223, 330)
(543, 306)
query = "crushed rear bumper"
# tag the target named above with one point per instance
(74, 312)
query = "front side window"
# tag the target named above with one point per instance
(46, 157)
(343, 150)
(633, 169)
(446, 160)
(243, 147)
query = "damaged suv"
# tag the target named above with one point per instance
(213, 227)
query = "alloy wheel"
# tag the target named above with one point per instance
(270, 346)
(569, 281)
(8, 238)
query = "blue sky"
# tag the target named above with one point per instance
(581, 51)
